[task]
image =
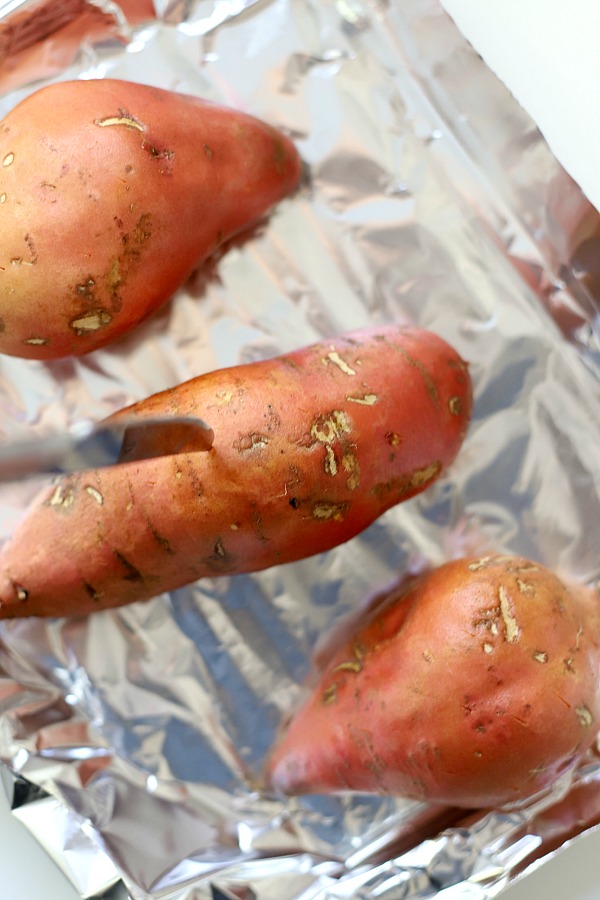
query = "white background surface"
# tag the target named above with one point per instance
(24, 866)
(572, 874)
(547, 54)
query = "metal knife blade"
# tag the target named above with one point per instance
(92, 445)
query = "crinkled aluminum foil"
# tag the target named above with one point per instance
(431, 198)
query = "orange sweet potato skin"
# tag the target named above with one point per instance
(310, 448)
(475, 685)
(111, 192)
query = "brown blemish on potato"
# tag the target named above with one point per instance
(562, 700)
(220, 560)
(352, 467)
(8, 160)
(142, 229)
(114, 278)
(455, 406)
(485, 562)
(158, 154)
(393, 438)
(86, 288)
(121, 266)
(250, 442)
(91, 591)
(421, 477)
(91, 321)
(525, 587)
(330, 462)
(487, 619)
(478, 564)
(365, 400)
(162, 542)
(224, 397)
(208, 151)
(21, 592)
(584, 715)
(19, 260)
(510, 623)
(337, 360)
(62, 496)
(349, 665)
(94, 494)
(430, 385)
(329, 695)
(331, 426)
(324, 511)
(132, 572)
(122, 118)
(468, 704)
(355, 663)
(408, 483)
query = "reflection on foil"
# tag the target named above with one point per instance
(430, 198)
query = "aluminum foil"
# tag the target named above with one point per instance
(430, 197)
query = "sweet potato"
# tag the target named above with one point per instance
(310, 448)
(111, 193)
(475, 685)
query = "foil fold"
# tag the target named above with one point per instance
(429, 198)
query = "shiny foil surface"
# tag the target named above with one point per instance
(136, 738)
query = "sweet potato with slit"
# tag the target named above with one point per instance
(309, 449)
(474, 685)
(111, 193)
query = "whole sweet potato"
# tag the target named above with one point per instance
(310, 448)
(475, 685)
(111, 192)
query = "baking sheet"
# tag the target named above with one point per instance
(430, 198)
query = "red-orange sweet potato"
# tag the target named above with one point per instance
(310, 448)
(475, 685)
(111, 193)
